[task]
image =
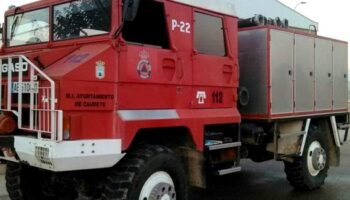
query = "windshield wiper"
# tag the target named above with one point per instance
(14, 26)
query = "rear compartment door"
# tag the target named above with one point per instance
(324, 74)
(340, 79)
(281, 66)
(304, 68)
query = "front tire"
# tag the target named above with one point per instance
(29, 183)
(310, 171)
(151, 172)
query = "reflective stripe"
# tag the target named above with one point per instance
(134, 115)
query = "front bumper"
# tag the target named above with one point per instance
(61, 156)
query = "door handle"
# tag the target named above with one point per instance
(169, 67)
(227, 69)
(227, 73)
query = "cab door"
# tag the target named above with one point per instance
(214, 68)
(153, 62)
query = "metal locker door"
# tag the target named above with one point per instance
(281, 66)
(304, 68)
(340, 79)
(253, 69)
(323, 74)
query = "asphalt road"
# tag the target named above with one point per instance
(267, 181)
(260, 181)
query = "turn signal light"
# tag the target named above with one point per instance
(7, 124)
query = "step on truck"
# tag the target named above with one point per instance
(142, 99)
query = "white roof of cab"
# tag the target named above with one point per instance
(226, 7)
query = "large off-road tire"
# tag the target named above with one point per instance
(28, 183)
(310, 171)
(150, 172)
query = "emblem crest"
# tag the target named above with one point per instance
(100, 69)
(144, 68)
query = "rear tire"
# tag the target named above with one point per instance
(148, 173)
(310, 171)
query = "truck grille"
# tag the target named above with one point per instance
(43, 155)
(29, 94)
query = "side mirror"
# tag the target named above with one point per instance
(130, 8)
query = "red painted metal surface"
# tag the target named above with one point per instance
(139, 78)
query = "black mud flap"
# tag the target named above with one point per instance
(7, 143)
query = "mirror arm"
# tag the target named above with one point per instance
(130, 8)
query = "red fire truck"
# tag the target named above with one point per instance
(141, 99)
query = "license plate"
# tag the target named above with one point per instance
(25, 87)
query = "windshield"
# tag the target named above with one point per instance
(81, 19)
(28, 28)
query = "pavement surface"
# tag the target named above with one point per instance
(260, 181)
(3, 192)
(266, 181)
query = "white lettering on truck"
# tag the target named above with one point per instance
(183, 27)
(14, 67)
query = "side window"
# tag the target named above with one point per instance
(149, 26)
(209, 35)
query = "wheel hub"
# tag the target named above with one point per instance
(316, 158)
(319, 159)
(163, 191)
(159, 186)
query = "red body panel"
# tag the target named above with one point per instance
(140, 78)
